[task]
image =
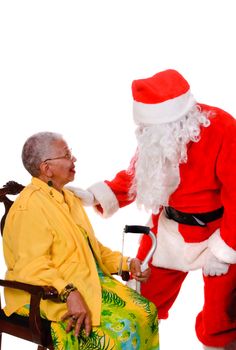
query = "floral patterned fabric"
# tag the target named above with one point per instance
(128, 322)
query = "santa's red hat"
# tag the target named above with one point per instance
(162, 98)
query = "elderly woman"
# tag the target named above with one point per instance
(48, 240)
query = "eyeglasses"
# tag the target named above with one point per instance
(68, 156)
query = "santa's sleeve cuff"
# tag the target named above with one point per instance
(105, 197)
(220, 249)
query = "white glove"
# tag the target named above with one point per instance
(213, 266)
(86, 196)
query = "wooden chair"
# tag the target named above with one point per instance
(33, 328)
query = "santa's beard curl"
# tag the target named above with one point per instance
(161, 148)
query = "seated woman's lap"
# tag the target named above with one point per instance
(128, 321)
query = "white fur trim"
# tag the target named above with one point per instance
(150, 222)
(221, 250)
(164, 112)
(173, 252)
(105, 197)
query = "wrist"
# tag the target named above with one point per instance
(66, 292)
(128, 261)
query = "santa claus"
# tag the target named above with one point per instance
(184, 171)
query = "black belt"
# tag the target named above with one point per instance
(199, 219)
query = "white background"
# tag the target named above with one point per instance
(67, 66)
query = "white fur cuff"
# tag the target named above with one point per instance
(105, 197)
(164, 112)
(220, 249)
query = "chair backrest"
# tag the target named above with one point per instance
(11, 188)
(32, 328)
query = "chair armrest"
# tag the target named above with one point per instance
(45, 292)
(37, 293)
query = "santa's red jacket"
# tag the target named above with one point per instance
(207, 182)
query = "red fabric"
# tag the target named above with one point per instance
(196, 234)
(120, 185)
(168, 280)
(215, 324)
(207, 179)
(162, 288)
(231, 310)
(99, 208)
(160, 87)
(207, 182)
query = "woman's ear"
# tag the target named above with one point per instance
(45, 170)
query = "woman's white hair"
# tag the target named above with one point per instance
(36, 149)
(161, 148)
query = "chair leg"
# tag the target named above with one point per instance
(0, 341)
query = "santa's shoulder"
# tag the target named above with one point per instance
(218, 117)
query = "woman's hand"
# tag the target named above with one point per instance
(136, 271)
(78, 314)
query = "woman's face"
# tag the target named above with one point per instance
(61, 164)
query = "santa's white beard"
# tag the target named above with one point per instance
(161, 148)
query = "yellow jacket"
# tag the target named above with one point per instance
(44, 244)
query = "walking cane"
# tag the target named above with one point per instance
(143, 230)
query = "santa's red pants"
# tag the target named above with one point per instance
(216, 323)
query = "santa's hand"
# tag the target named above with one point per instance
(85, 196)
(213, 266)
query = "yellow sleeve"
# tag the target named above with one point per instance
(28, 242)
(111, 259)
